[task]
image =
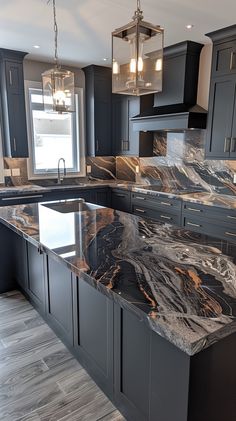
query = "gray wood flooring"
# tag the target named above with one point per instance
(39, 378)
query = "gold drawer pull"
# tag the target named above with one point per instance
(194, 225)
(140, 210)
(231, 217)
(140, 198)
(230, 233)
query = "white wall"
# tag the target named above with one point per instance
(204, 76)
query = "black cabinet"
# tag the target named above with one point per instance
(162, 209)
(15, 143)
(93, 324)
(221, 128)
(20, 261)
(125, 141)
(7, 273)
(101, 197)
(36, 277)
(98, 110)
(59, 299)
(209, 220)
(121, 200)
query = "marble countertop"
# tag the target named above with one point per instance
(206, 198)
(180, 283)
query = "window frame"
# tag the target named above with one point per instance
(80, 134)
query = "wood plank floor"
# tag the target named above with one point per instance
(39, 379)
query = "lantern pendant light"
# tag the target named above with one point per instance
(58, 83)
(137, 57)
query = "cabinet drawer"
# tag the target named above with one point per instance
(212, 229)
(156, 202)
(157, 214)
(219, 215)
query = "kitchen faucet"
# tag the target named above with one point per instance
(59, 178)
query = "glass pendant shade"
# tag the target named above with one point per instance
(58, 90)
(137, 58)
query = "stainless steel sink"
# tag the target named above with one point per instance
(69, 206)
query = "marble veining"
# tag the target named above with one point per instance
(182, 284)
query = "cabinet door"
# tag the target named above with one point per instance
(233, 138)
(102, 128)
(21, 261)
(224, 59)
(120, 124)
(102, 197)
(59, 300)
(36, 277)
(17, 125)
(221, 108)
(14, 77)
(121, 200)
(93, 322)
(132, 364)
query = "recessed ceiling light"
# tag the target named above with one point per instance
(189, 26)
(36, 46)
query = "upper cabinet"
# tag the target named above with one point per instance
(98, 110)
(125, 140)
(15, 143)
(221, 129)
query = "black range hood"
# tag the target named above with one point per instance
(175, 107)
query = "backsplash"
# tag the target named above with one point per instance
(183, 166)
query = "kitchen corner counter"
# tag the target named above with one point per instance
(181, 285)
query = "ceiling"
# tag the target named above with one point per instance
(85, 25)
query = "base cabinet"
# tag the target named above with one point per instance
(20, 261)
(36, 277)
(59, 299)
(93, 324)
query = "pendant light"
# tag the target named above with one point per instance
(58, 83)
(137, 57)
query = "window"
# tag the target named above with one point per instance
(54, 136)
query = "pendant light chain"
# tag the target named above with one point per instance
(55, 28)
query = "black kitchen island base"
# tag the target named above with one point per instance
(147, 377)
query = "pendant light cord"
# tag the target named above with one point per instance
(55, 28)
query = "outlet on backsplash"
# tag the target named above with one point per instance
(15, 172)
(7, 172)
(89, 169)
(234, 179)
(137, 169)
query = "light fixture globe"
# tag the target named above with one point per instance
(137, 57)
(58, 90)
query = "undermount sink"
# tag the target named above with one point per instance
(70, 206)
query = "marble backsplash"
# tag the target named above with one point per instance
(179, 162)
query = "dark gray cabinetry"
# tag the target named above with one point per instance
(210, 220)
(93, 324)
(221, 129)
(15, 143)
(125, 140)
(121, 200)
(101, 197)
(7, 273)
(19, 247)
(98, 110)
(59, 299)
(149, 372)
(159, 208)
(36, 277)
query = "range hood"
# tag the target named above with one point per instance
(175, 107)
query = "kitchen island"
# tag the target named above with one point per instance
(148, 308)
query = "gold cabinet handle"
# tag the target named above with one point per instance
(231, 65)
(231, 217)
(194, 210)
(166, 204)
(166, 217)
(140, 210)
(227, 144)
